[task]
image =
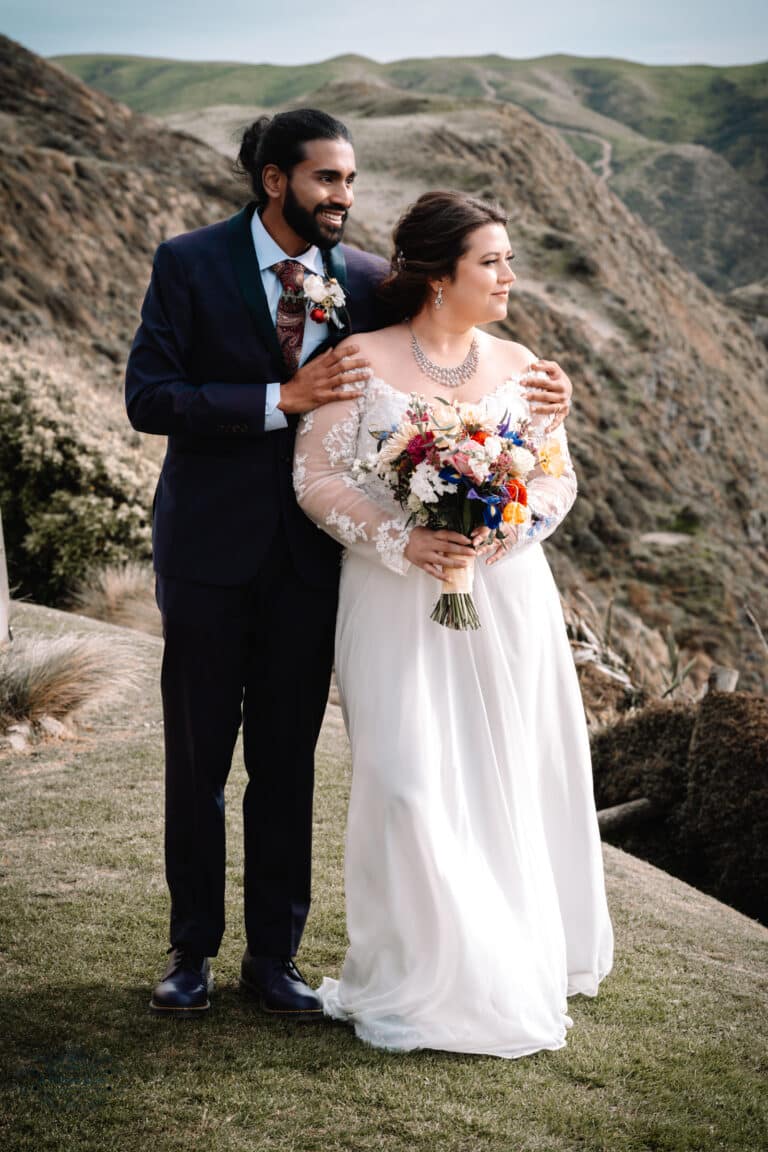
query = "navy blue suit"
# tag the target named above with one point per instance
(247, 585)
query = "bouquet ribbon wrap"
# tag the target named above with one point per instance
(455, 607)
(458, 580)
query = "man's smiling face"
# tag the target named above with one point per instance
(318, 193)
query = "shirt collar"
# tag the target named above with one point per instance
(269, 252)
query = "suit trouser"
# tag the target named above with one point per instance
(261, 654)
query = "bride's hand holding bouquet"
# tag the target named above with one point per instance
(461, 475)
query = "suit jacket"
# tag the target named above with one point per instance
(197, 373)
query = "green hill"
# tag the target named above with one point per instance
(720, 108)
(157, 87)
(685, 147)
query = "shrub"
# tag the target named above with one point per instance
(726, 810)
(122, 594)
(73, 490)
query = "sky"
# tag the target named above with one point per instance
(302, 31)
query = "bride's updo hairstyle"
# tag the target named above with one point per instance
(429, 240)
(280, 140)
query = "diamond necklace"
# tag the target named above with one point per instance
(449, 377)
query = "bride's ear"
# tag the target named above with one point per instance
(436, 288)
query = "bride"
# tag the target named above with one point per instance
(474, 878)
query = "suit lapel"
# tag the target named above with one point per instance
(336, 267)
(248, 276)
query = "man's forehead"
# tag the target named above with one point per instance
(332, 155)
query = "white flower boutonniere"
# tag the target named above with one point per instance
(324, 296)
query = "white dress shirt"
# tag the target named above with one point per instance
(269, 252)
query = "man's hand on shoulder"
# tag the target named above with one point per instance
(329, 377)
(550, 395)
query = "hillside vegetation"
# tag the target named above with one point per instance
(686, 147)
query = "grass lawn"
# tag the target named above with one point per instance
(670, 1057)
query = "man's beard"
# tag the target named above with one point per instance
(307, 225)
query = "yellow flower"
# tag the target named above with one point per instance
(514, 513)
(551, 459)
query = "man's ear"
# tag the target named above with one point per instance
(274, 181)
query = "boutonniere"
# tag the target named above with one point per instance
(324, 296)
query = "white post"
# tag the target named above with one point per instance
(5, 599)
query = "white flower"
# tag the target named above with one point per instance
(445, 423)
(522, 460)
(322, 291)
(492, 446)
(314, 287)
(471, 413)
(426, 484)
(336, 294)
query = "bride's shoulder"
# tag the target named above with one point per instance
(383, 349)
(513, 358)
(369, 343)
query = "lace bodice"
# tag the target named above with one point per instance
(360, 511)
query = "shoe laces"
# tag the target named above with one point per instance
(293, 971)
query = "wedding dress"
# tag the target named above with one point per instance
(473, 872)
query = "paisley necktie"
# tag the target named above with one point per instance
(291, 311)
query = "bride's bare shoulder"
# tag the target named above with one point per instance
(379, 348)
(513, 357)
(369, 342)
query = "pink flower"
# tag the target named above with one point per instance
(470, 465)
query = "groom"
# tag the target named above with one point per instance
(246, 585)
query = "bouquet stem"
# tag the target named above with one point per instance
(455, 608)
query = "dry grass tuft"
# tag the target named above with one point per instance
(122, 594)
(61, 676)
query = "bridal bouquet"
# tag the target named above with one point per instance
(451, 465)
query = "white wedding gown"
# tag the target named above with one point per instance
(474, 876)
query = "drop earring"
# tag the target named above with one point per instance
(439, 297)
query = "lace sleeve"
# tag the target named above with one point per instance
(329, 492)
(550, 496)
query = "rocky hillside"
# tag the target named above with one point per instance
(666, 374)
(87, 191)
(684, 147)
(670, 422)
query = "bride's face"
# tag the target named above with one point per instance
(483, 277)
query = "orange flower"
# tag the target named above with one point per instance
(514, 513)
(517, 491)
(480, 436)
